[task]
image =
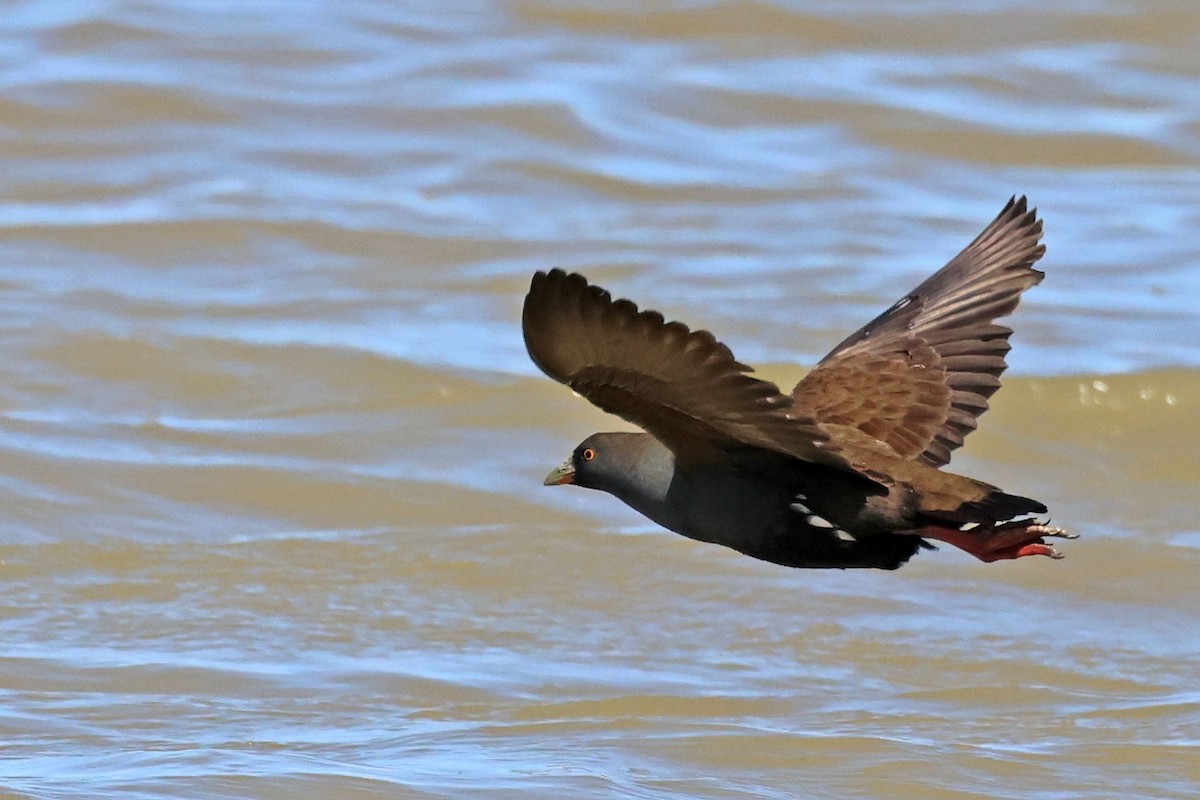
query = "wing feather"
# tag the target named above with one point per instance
(680, 385)
(940, 340)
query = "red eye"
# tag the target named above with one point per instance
(588, 454)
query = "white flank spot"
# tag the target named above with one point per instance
(845, 536)
(819, 522)
(800, 508)
(970, 526)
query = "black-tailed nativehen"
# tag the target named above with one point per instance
(844, 471)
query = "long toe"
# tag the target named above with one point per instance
(1037, 549)
(1061, 533)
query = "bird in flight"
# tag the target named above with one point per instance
(845, 471)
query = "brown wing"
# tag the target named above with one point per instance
(917, 376)
(682, 386)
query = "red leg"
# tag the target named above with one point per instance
(998, 542)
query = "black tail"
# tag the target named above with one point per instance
(997, 506)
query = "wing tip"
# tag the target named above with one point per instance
(554, 299)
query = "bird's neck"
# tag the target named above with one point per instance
(646, 482)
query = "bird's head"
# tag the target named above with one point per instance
(605, 461)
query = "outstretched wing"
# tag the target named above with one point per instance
(680, 385)
(919, 375)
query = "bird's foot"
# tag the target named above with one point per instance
(1008, 540)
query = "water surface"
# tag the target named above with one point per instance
(271, 449)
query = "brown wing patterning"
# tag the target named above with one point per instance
(919, 375)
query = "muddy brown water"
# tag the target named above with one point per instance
(271, 450)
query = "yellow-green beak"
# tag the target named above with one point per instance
(563, 473)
